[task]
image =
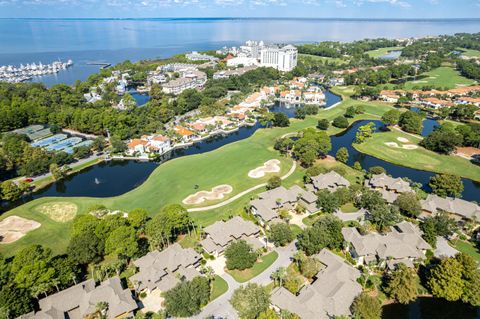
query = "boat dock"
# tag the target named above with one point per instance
(103, 65)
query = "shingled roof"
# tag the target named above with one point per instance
(456, 206)
(267, 204)
(220, 234)
(403, 241)
(80, 300)
(389, 183)
(331, 294)
(162, 269)
(331, 180)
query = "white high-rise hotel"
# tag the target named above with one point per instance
(282, 59)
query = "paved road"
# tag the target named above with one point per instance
(245, 192)
(72, 166)
(221, 307)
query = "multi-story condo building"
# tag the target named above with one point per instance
(282, 59)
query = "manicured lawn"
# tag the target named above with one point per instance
(189, 241)
(295, 229)
(349, 208)
(310, 220)
(470, 53)
(382, 51)
(219, 287)
(419, 158)
(442, 77)
(263, 263)
(174, 180)
(467, 248)
(316, 58)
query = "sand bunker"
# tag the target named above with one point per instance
(402, 139)
(392, 144)
(271, 166)
(217, 192)
(405, 147)
(13, 228)
(60, 212)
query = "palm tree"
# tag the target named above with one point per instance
(208, 272)
(102, 308)
(298, 258)
(279, 275)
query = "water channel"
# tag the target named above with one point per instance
(118, 177)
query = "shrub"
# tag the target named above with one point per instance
(240, 255)
(340, 122)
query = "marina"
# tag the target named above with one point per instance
(22, 73)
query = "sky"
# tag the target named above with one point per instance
(413, 9)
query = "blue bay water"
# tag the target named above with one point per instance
(116, 40)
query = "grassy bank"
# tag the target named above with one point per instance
(382, 51)
(419, 158)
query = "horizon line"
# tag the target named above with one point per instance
(236, 18)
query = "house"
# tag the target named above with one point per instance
(388, 186)
(137, 146)
(436, 103)
(253, 100)
(190, 79)
(184, 133)
(331, 181)
(164, 269)
(221, 234)
(159, 143)
(92, 97)
(81, 300)
(390, 96)
(463, 91)
(224, 74)
(199, 128)
(291, 96)
(337, 81)
(330, 294)
(195, 56)
(267, 206)
(457, 208)
(469, 100)
(242, 61)
(297, 83)
(316, 98)
(403, 244)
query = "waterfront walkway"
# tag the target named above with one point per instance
(72, 166)
(239, 195)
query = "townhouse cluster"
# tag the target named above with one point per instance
(299, 90)
(120, 81)
(436, 99)
(187, 133)
(258, 53)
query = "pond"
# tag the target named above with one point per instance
(289, 109)
(431, 308)
(118, 177)
(345, 139)
(392, 55)
(140, 98)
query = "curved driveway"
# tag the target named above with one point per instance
(221, 307)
